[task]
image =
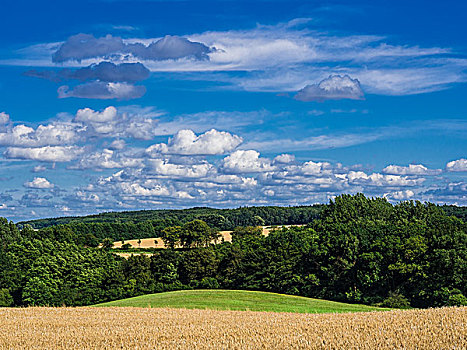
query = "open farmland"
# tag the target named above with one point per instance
(146, 328)
(240, 300)
(158, 243)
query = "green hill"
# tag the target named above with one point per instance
(239, 300)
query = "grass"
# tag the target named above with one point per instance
(238, 300)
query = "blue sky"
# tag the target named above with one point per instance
(120, 105)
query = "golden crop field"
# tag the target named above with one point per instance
(158, 243)
(146, 328)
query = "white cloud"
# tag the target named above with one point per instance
(87, 197)
(110, 123)
(412, 169)
(400, 195)
(45, 154)
(276, 58)
(319, 141)
(200, 122)
(453, 192)
(87, 115)
(136, 189)
(380, 180)
(335, 87)
(117, 145)
(185, 142)
(38, 169)
(246, 162)
(64, 209)
(457, 165)
(4, 118)
(412, 79)
(316, 168)
(163, 167)
(39, 182)
(58, 133)
(284, 158)
(107, 159)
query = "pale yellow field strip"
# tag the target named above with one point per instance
(146, 328)
(158, 243)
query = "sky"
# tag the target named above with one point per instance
(128, 105)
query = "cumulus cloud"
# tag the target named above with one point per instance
(89, 115)
(457, 165)
(400, 195)
(102, 91)
(4, 118)
(284, 158)
(103, 71)
(45, 154)
(185, 142)
(111, 123)
(57, 133)
(163, 167)
(335, 87)
(117, 145)
(136, 189)
(107, 159)
(80, 46)
(39, 182)
(246, 162)
(412, 169)
(453, 192)
(380, 180)
(84, 196)
(316, 168)
(83, 46)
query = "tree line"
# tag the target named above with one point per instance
(360, 249)
(223, 219)
(91, 230)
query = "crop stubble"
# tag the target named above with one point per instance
(153, 328)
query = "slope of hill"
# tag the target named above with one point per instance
(238, 300)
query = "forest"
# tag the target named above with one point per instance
(90, 230)
(231, 218)
(354, 249)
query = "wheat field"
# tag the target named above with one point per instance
(146, 328)
(158, 243)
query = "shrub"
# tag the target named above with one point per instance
(5, 298)
(450, 297)
(457, 299)
(396, 300)
(208, 283)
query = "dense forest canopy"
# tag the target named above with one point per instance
(242, 216)
(356, 249)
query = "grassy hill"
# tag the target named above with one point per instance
(239, 300)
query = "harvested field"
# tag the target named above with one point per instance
(145, 243)
(158, 243)
(146, 328)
